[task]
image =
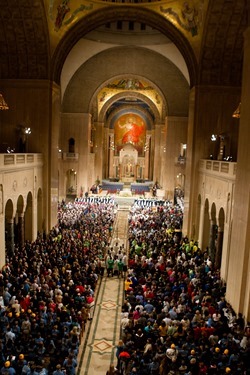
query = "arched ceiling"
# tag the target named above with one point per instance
(129, 101)
(113, 13)
(222, 45)
(127, 61)
(24, 46)
(31, 48)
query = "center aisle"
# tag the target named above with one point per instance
(103, 333)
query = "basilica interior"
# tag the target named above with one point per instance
(127, 94)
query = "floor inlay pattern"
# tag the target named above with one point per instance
(109, 305)
(103, 332)
(102, 346)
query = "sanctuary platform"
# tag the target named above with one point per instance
(117, 187)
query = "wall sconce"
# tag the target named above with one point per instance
(236, 113)
(213, 137)
(27, 131)
(3, 104)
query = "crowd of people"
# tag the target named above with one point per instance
(47, 291)
(175, 318)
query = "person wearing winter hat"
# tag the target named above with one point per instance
(7, 369)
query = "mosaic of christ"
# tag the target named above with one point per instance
(130, 129)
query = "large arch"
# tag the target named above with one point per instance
(113, 13)
(127, 60)
(130, 94)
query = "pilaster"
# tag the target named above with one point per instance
(238, 268)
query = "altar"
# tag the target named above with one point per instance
(127, 179)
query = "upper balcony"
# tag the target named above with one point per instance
(218, 168)
(17, 161)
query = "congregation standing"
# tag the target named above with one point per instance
(48, 290)
(175, 318)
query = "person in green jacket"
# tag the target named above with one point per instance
(110, 266)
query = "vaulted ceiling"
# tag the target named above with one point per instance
(29, 51)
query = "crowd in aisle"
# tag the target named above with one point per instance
(175, 318)
(47, 290)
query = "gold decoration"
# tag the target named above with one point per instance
(236, 113)
(3, 104)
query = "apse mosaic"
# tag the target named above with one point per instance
(130, 129)
(129, 85)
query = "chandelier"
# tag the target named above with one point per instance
(3, 104)
(236, 113)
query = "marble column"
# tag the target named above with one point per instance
(201, 226)
(146, 158)
(106, 153)
(98, 129)
(175, 134)
(2, 240)
(111, 155)
(238, 280)
(157, 153)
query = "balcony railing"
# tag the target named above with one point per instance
(70, 156)
(216, 167)
(16, 160)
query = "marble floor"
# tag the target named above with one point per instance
(102, 334)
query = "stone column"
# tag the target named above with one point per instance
(146, 158)
(34, 217)
(98, 129)
(201, 226)
(111, 155)
(86, 172)
(52, 156)
(157, 153)
(2, 241)
(238, 280)
(106, 154)
(227, 234)
(176, 134)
